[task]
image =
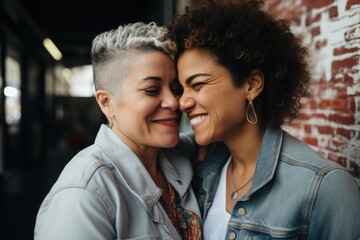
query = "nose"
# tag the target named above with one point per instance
(186, 103)
(170, 102)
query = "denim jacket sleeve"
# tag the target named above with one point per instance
(74, 213)
(331, 219)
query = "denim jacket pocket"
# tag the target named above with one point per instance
(264, 233)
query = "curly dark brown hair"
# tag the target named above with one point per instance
(243, 37)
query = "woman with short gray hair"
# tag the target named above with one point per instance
(134, 181)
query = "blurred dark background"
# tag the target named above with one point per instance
(73, 24)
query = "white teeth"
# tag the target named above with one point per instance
(197, 120)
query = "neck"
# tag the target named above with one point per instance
(148, 157)
(245, 145)
(146, 154)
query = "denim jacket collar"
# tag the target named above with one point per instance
(129, 166)
(267, 159)
(266, 163)
(133, 172)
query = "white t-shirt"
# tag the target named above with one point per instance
(216, 221)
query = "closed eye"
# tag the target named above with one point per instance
(152, 91)
(197, 86)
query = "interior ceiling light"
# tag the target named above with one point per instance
(52, 49)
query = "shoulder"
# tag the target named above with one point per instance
(297, 153)
(82, 167)
(86, 171)
(303, 162)
(85, 187)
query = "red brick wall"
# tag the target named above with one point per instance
(329, 120)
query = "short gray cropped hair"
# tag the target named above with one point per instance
(117, 45)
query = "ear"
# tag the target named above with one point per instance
(104, 99)
(255, 83)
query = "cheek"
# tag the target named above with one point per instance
(134, 113)
(144, 106)
(227, 112)
(146, 109)
(221, 120)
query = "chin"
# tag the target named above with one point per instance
(170, 142)
(202, 141)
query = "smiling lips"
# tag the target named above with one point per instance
(169, 122)
(197, 119)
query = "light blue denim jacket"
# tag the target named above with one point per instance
(295, 194)
(106, 193)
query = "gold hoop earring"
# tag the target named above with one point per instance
(251, 107)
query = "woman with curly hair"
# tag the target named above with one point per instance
(244, 74)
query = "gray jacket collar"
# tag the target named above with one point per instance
(134, 174)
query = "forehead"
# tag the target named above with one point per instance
(141, 64)
(195, 57)
(195, 61)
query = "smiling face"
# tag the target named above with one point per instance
(214, 104)
(147, 112)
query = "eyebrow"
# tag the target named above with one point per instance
(192, 77)
(152, 78)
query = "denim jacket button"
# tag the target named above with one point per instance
(232, 235)
(242, 211)
(179, 182)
